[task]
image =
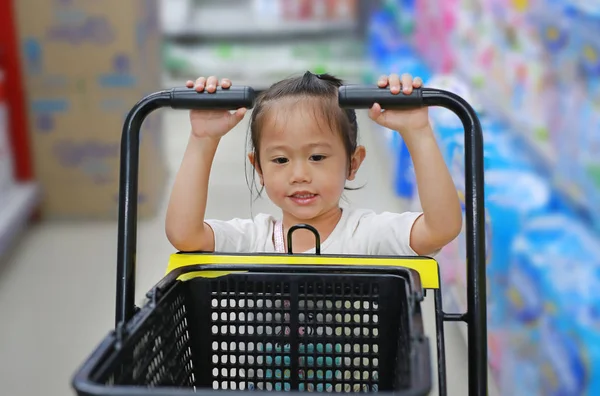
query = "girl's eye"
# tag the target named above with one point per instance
(317, 157)
(280, 160)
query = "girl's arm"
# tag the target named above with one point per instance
(185, 226)
(441, 221)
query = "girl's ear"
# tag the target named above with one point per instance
(356, 161)
(252, 159)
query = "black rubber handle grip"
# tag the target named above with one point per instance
(364, 96)
(231, 98)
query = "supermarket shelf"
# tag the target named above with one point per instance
(15, 212)
(545, 164)
(541, 154)
(261, 31)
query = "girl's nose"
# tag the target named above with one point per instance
(300, 173)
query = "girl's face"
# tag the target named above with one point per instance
(303, 163)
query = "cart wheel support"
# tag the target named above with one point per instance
(350, 96)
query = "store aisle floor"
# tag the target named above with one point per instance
(57, 288)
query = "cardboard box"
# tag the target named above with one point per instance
(86, 63)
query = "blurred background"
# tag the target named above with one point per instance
(70, 70)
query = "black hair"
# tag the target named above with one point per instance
(322, 87)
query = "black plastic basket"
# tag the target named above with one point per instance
(284, 323)
(303, 331)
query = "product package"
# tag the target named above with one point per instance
(552, 295)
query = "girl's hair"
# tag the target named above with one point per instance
(323, 89)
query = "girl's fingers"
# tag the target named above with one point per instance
(225, 83)
(236, 117)
(394, 81)
(189, 84)
(418, 82)
(383, 81)
(407, 83)
(375, 112)
(240, 113)
(211, 84)
(200, 82)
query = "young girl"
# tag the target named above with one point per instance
(304, 148)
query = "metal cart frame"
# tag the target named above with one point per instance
(356, 97)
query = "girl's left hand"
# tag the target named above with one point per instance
(404, 121)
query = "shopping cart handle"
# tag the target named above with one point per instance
(350, 96)
(177, 98)
(364, 96)
(231, 98)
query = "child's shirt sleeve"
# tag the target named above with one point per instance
(389, 233)
(241, 235)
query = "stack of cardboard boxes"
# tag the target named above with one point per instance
(85, 64)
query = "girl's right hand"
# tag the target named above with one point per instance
(213, 123)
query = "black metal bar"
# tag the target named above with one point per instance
(406, 273)
(295, 338)
(441, 342)
(475, 233)
(177, 98)
(363, 97)
(453, 317)
(128, 194)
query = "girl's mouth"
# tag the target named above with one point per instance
(303, 198)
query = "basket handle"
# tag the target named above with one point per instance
(363, 97)
(306, 227)
(231, 98)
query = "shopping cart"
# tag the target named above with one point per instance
(283, 323)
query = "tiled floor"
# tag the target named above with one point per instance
(57, 289)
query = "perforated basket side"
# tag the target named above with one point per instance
(158, 352)
(306, 332)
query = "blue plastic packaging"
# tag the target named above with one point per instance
(404, 176)
(553, 306)
(513, 198)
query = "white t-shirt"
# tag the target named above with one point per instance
(359, 232)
